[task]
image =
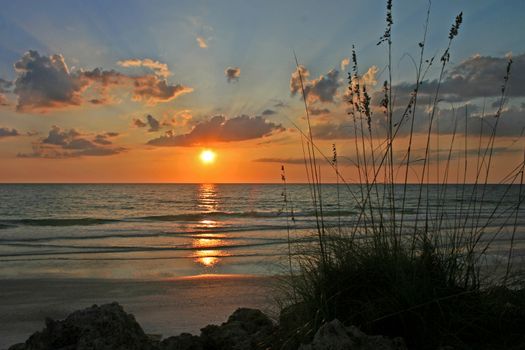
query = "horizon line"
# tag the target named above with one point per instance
(237, 183)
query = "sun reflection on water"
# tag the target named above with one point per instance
(207, 197)
(208, 246)
(208, 251)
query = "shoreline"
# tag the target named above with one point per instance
(168, 307)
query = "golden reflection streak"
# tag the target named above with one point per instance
(211, 256)
(207, 197)
(208, 257)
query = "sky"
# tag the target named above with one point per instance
(134, 91)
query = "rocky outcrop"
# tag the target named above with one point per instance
(246, 329)
(335, 336)
(109, 327)
(184, 341)
(106, 327)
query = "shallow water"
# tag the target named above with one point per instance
(159, 231)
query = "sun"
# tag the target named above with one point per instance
(207, 156)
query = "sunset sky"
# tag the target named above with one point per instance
(134, 91)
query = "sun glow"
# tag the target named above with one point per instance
(207, 156)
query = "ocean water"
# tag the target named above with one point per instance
(162, 231)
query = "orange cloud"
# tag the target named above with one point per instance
(160, 69)
(344, 63)
(179, 118)
(220, 129)
(202, 42)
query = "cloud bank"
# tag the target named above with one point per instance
(220, 129)
(61, 143)
(45, 82)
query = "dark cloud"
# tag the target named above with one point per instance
(154, 124)
(333, 131)
(220, 129)
(476, 77)
(322, 89)
(59, 137)
(5, 132)
(4, 88)
(280, 104)
(268, 112)
(232, 73)
(511, 122)
(103, 139)
(5, 85)
(45, 82)
(481, 76)
(318, 111)
(139, 123)
(61, 143)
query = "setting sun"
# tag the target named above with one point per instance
(207, 156)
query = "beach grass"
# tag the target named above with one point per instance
(432, 279)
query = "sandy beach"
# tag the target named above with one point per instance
(166, 307)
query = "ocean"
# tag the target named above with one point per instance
(141, 231)
(162, 231)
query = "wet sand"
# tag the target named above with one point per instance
(166, 307)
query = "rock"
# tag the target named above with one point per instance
(105, 327)
(293, 316)
(20, 346)
(184, 341)
(335, 336)
(246, 329)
